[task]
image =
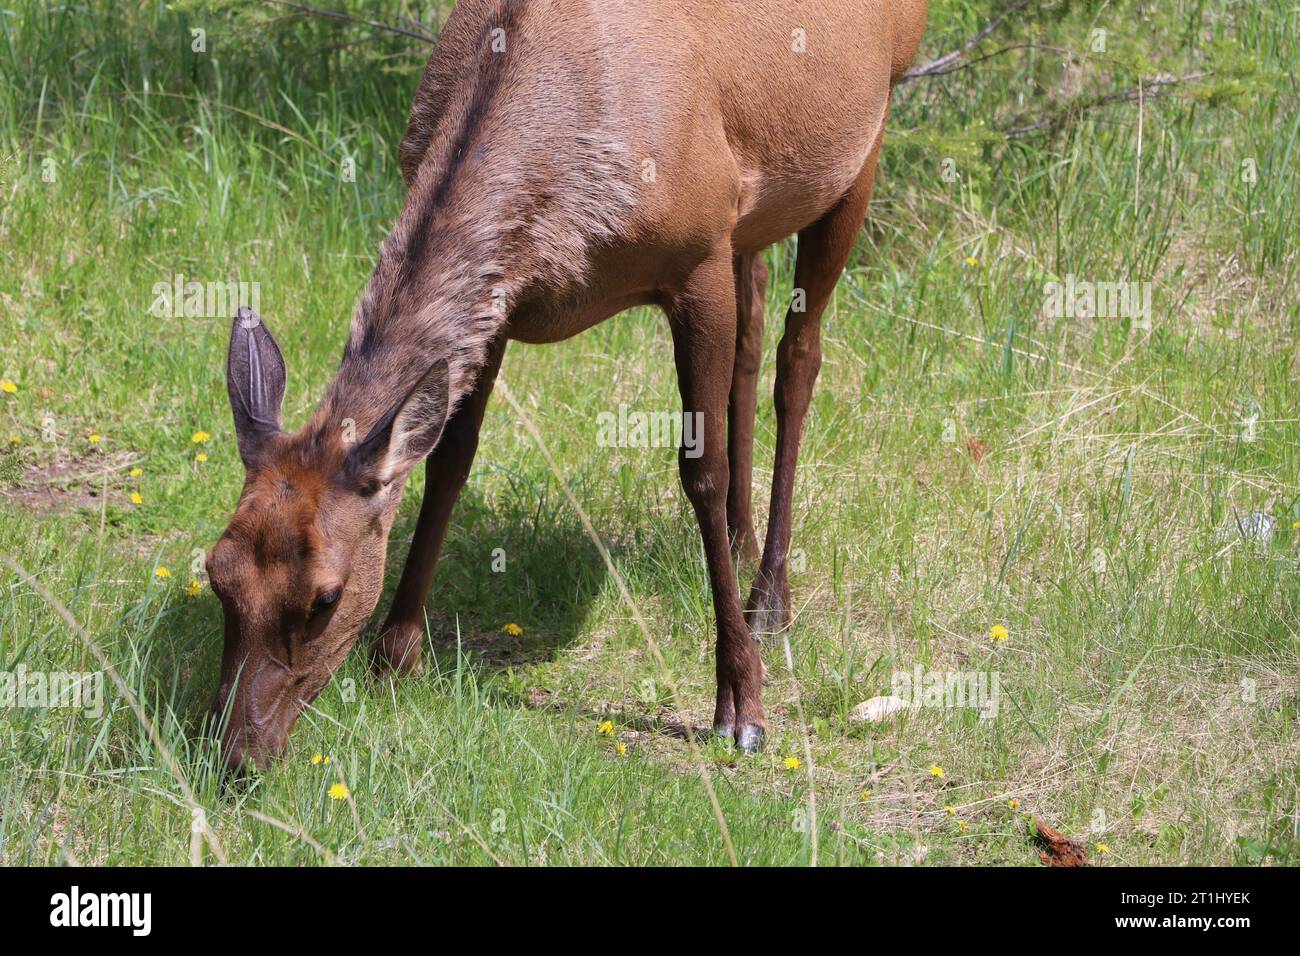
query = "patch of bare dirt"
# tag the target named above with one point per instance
(69, 484)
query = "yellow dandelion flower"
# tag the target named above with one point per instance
(936, 770)
(200, 457)
(864, 795)
(513, 629)
(606, 727)
(15, 439)
(94, 438)
(952, 811)
(137, 498)
(136, 472)
(1295, 525)
(340, 791)
(962, 825)
(620, 748)
(194, 588)
(791, 763)
(998, 633)
(9, 387)
(972, 261)
(162, 572)
(200, 437)
(1013, 803)
(1102, 848)
(317, 758)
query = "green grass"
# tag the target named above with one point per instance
(966, 461)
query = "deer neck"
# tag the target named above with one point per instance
(439, 291)
(496, 210)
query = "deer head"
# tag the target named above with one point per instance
(300, 568)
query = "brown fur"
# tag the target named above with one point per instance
(532, 215)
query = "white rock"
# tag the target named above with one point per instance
(1256, 526)
(877, 709)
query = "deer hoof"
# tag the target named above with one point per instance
(397, 651)
(750, 738)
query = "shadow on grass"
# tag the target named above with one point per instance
(520, 559)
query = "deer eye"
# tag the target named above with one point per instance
(324, 602)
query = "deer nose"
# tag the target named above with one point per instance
(248, 726)
(246, 748)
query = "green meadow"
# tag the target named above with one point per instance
(1091, 502)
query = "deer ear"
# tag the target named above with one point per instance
(408, 432)
(255, 377)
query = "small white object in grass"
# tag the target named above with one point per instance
(876, 709)
(1256, 526)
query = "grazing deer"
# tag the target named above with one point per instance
(565, 160)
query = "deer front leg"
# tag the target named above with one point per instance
(703, 316)
(398, 648)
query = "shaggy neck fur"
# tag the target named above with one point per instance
(511, 193)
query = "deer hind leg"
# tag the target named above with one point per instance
(823, 252)
(702, 316)
(751, 293)
(397, 650)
